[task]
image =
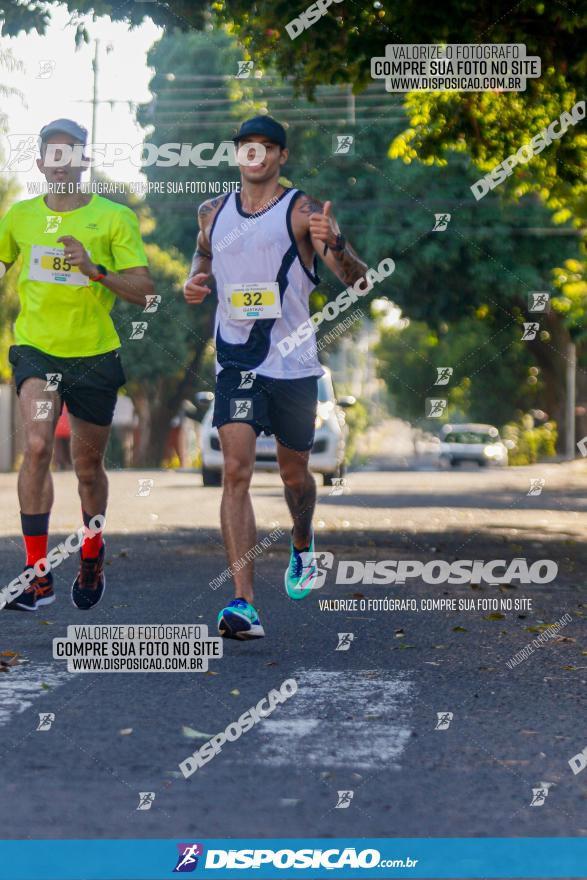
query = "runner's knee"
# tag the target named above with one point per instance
(88, 468)
(237, 473)
(39, 448)
(295, 476)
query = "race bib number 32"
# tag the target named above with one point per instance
(252, 301)
(49, 265)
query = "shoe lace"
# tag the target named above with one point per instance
(90, 573)
(296, 565)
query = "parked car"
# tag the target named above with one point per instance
(328, 452)
(472, 443)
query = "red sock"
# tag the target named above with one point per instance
(36, 547)
(35, 529)
(93, 541)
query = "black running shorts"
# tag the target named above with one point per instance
(87, 385)
(284, 407)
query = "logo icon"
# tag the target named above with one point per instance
(23, 152)
(46, 69)
(343, 144)
(146, 799)
(53, 381)
(435, 407)
(313, 559)
(241, 409)
(444, 375)
(153, 302)
(441, 222)
(139, 328)
(46, 719)
(539, 795)
(538, 301)
(338, 484)
(145, 487)
(530, 331)
(344, 800)
(42, 409)
(443, 720)
(536, 486)
(187, 860)
(344, 641)
(52, 224)
(245, 68)
(247, 379)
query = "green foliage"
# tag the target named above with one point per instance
(532, 444)
(192, 104)
(357, 420)
(173, 333)
(493, 373)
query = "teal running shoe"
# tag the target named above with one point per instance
(239, 620)
(302, 572)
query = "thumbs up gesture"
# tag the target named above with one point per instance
(323, 227)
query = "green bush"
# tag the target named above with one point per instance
(531, 443)
(357, 420)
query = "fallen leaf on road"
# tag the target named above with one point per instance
(272, 663)
(235, 692)
(529, 732)
(210, 672)
(126, 731)
(45, 686)
(495, 615)
(459, 629)
(513, 763)
(190, 733)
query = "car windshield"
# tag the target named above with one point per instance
(469, 437)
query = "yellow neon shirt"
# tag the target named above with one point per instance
(58, 315)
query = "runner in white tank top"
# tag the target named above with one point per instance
(261, 247)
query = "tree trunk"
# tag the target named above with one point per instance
(551, 358)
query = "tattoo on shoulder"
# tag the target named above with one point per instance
(309, 205)
(209, 206)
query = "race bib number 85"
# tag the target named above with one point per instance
(49, 265)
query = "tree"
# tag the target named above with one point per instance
(162, 361)
(494, 376)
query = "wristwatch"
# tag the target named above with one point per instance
(102, 272)
(339, 246)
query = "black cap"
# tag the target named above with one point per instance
(264, 125)
(64, 126)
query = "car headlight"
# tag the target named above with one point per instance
(492, 451)
(318, 423)
(323, 412)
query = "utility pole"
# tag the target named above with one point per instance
(570, 399)
(350, 105)
(94, 100)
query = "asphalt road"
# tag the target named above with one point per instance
(363, 719)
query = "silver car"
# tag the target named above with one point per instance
(328, 452)
(479, 444)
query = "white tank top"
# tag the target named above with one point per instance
(261, 248)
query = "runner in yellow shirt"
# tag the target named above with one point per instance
(78, 253)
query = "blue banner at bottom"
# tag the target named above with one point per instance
(285, 858)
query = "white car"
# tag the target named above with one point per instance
(328, 452)
(472, 443)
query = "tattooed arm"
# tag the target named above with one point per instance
(195, 289)
(318, 223)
